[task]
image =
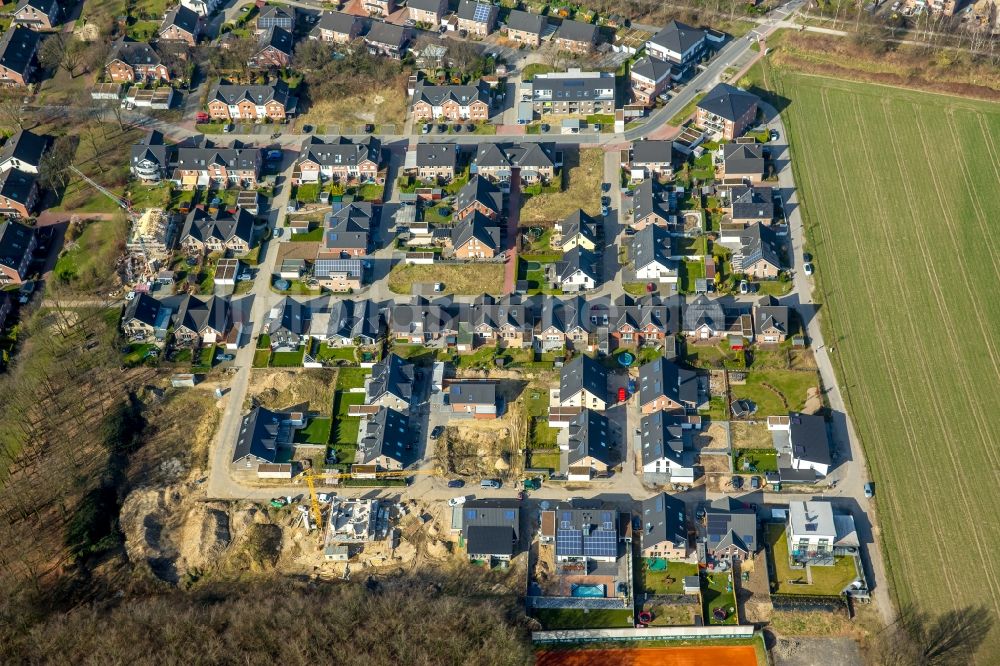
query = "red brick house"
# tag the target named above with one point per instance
(274, 50)
(18, 193)
(135, 61)
(231, 102)
(451, 102)
(181, 25)
(37, 14)
(18, 63)
(727, 110)
(17, 242)
(479, 195)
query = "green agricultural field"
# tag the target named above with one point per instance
(899, 192)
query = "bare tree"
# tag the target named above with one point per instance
(53, 171)
(12, 112)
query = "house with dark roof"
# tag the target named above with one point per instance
(562, 324)
(391, 383)
(476, 237)
(451, 102)
(648, 206)
(505, 322)
(262, 435)
(652, 157)
(583, 382)
(435, 161)
(526, 28)
(664, 527)
(386, 39)
(665, 386)
(275, 16)
(422, 322)
(573, 92)
(578, 230)
(730, 531)
(803, 445)
(220, 167)
(479, 195)
(272, 101)
(207, 321)
(339, 159)
(477, 18)
(18, 61)
(536, 161)
(727, 111)
(218, 230)
(704, 318)
(287, 324)
(337, 28)
(646, 322)
(771, 321)
(37, 14)
(581, 534)
(132, 61)
(575, 36)
(348, 323)
(679, 44)
(757, 250)
(650, 77)
(146, 317)
(23, 151)
(181, 24)
(478, 399)
(18, 193)
(750, 205)
(588, 446)
(17, 243)
(490, 528)
(652, 255)
(428, 12)
(578, 270)
(274, 50)
(384, 440)
(666, 448)
(349, 230)
(743, 160)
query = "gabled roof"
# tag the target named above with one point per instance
(743, 158)
(279, 39)
(26, 147)
(809, 438)
(579, 223)
(183, 18)
(461, 95)
(14, 240)
(221, 224)
(289, 317)
(653, 69)
(488, 540)
(678, 37)
(579, 259)
(663, 520)
(17, 48)
(340, 151)
(150, 148)
(563, 314)
(480, 190)
(261, 431)
(574, 85)
(425, 5)
(646, 201)
(477, 226)
(485, 311)
(351, 226)
(769, 314)
(728, 523)
(586, 532)
(17, 185)
(437, 155)
(351, 319)
(589, 436)
(232, 94)
(583, 373)
(728, 102)
(703, 311)
(421, 316)
(526, 22)
(196, 314)
(200, 159)
(134, 53)
(651, 245)
(652, 151)
(43, 6)
(752, 203)
(386, 434)
(503, 513)
(577, 31)
(276, 11)
(480, 12)
(663, 437)
(337, 22)
(386, 33)
(664, 378)
(757, 243)
(473, 393)
(143, 308)
(393, 376)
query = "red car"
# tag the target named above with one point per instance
(621, 394)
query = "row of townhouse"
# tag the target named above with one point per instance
(451, 102)
(439, 162)
(194, 320)
(339, 159)
(20, 162)
(271, 101)
(189, 166)
(380, 38)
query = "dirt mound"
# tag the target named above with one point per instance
(205, 535)
(814, 401)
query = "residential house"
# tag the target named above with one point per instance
(150, 158)
(427, 12)
(573, 92)
(146, 317)
(391, 383)
(477, 18)
(339, 275)
(37, 14)
(421, 322)
(578, 270)
(478, 399)
(130, 61)
(337, 27)
(380, 8)
(275, 16)
(181, 24)
(758, 253)
(436, 161)
(727, 111)
(582, 535)
(578, 230)
(348, 323)
(816, 535)
(17, 245)
(751, 205)
(652, 158)
(479, 194)
(704, 319)
(664, 527)
(504, 322)
(349, 231)
(471, 102)
(18, 193)
(526, 28)
(583, 382)
(340, 159)
(202, 7)
(587, 444)
(208, 321)
(575, 36)
(650, 77)
(771, 321)
(537, 162)
(562, 324)
(218, 231)
(679, 44)
(743, 160)
(384, 441)
(803, 446)
(666, 448)
(645, 323)
(18, 61)
(388, 40)
(730, 534)
(221, 167)
(647, 206)
(227, 101)
(287, 324)
(665, 386)
(490, 528)
(476, 237)
(274, 50)
(262, 434)
(651, 255)
(23, 151)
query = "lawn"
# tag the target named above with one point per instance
(344, 428)
(826, 581)
(348, 378)
(572, 618)
(471, 278)
(668, 581)
(686, 112)
(317, 432)
(903, 387)
(261, 358)
(88, 262)
(714, 594)
(584, 173)
(323, 352)
(776, 392)
(291, 359)
(757, 461)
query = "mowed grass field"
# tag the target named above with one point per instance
(900, 193)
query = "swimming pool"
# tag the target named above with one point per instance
(579, 590)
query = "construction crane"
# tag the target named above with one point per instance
(121, 203)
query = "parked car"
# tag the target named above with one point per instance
(455, 501)
(755, 482)
(426, 129)
(744, 287)
(244, 277)
(808, 268)
(369, 128)
(605, 187)
(737, 482)
(437, 432)
(306, 129)
(456, 483)
(490, 484)
(278, 232)
(409, 23)
(605, 201)
(439, 286)
(774, 135)
(219, 358)
(869, 490)
(545, 127)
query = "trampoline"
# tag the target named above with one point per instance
(625, 359)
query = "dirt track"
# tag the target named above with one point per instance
(738, 655)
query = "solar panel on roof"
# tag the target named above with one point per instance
(482, 13)
(508, 515)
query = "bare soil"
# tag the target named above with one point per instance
(747, 435)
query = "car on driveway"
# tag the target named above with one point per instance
(869, 490)
(774, 135)
(437, 432)
(737, 482)
(808, 268)
(755, 482)
(456, 483)
(490, 484)
(455, 501)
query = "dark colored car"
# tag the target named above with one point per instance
(369, 128)
(437, 432)
(306, 129)
(456, 483)
(737, 482)
(605, 187)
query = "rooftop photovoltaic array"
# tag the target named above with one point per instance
(482, 13)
